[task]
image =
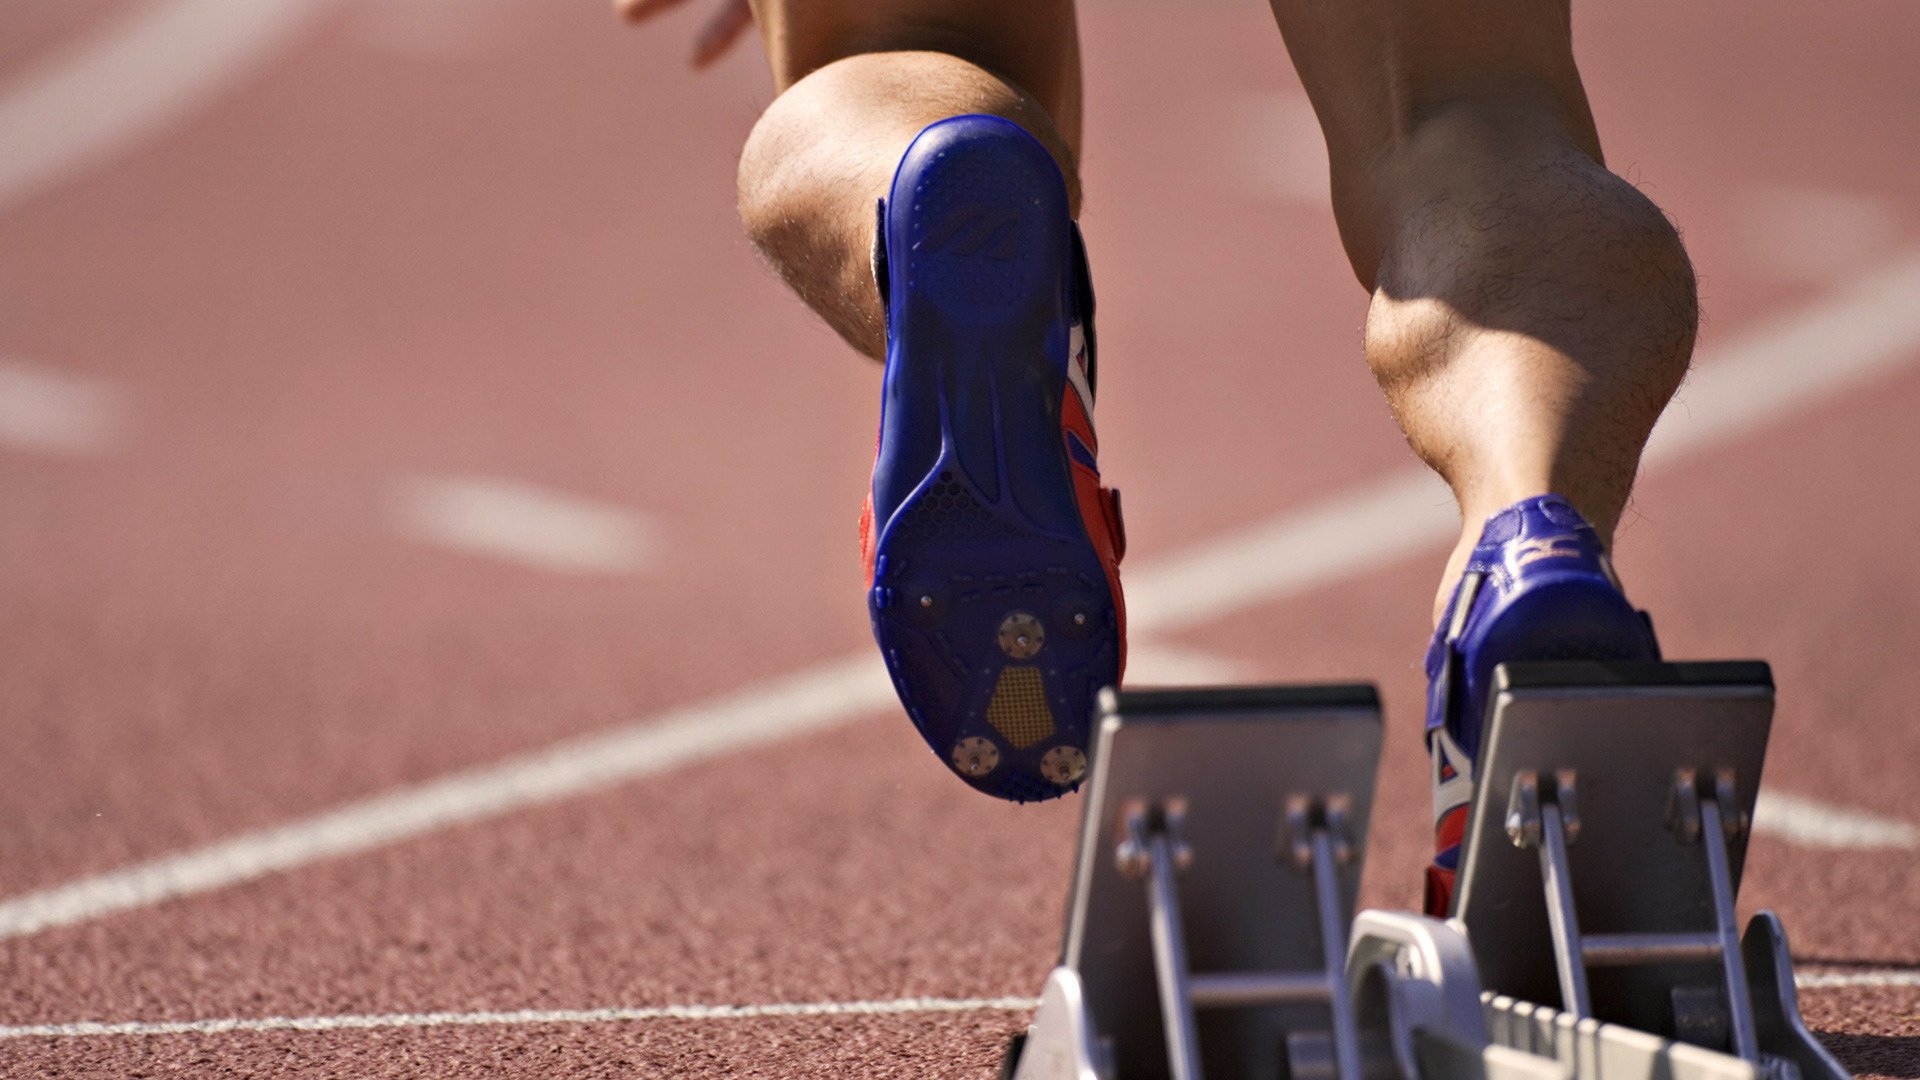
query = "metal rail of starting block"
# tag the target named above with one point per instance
(1601, 868)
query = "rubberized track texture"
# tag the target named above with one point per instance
(426, 585)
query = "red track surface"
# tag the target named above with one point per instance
(508, 250)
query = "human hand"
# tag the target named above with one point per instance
(729, 20)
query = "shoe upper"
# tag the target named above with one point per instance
(1538, 586)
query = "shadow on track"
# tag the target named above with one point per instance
(1879, 1055)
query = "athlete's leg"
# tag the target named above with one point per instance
(1532, 312)
(858, 79)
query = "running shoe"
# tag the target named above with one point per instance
(992, 550)
(1539, 586)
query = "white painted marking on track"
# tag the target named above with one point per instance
(1832, 980)
(94, 1029)
(1864, 327)
(74, 111)
(1810, 823)
(523, 523)
(1369, 526)
(823, 696)
(1157, 663)
(50, 411)
(1805, 235)
(1279, 149)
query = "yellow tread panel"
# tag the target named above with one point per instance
(1018, 710)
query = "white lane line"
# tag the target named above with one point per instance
(823, 696)
(76, 110)
(1852, 334)
(1278, 146)
(1806, 235)
(1809, 823)
(53, 412)
(1407, 513)
(1159, 664)
(1866, 328)
(1829, 980)
(90, 1029)
(522, 523)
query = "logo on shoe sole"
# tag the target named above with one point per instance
(976, 230)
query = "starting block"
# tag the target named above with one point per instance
(1210, 926)
(1220, 853)
(1603, 858)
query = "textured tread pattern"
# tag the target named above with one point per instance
(1018, 709)
(985, 260)
(948, 511)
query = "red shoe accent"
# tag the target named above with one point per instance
(1452, 828)
(1439, 898)
(869, 529)
(1448, 833)
(867, 540)
(1099, 508)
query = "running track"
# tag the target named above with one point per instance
(427, 572)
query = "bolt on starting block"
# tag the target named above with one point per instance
(1211, 928)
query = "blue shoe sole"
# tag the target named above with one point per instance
(989, 602)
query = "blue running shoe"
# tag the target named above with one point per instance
(1539, 586)
(992, 549)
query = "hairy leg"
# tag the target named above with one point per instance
(858, 79)
(1532, 312)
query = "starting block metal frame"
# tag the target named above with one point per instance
(1229, 824)
(1210, 927)
(1603, 858)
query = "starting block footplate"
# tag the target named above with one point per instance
(1216, 774)
(1612, 810)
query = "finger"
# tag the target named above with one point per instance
(641, 10)
(721, 32)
